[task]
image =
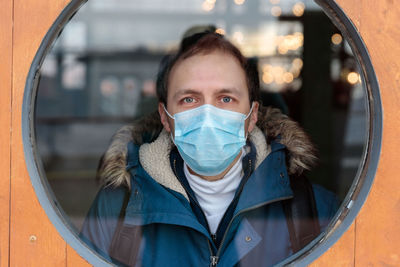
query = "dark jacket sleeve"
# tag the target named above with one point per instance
(101, 220)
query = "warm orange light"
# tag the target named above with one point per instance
(267, 78)
(288, 77)
(279, 79)
(276, 11)
(295, 72)
(239, 2)
(274, 2)
(220, 31)
(277, 71)
(298, 9)
(353, 77)
(266, 68)
(299, 38)
(207, 6)
(297, 63)
(336, 38)
(283, 49)
(289, 42)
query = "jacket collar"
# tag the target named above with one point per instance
(268, 183)
(166, 205)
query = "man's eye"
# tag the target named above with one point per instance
(226, 99)
(188, 100)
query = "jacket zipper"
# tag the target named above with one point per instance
(214, 238)
(213, 261)
(213, 258)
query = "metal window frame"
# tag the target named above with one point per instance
(345, 216)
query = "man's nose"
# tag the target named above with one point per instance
(210, 100)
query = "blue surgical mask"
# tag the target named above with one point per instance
(209, 138)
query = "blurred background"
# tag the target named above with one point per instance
(100, 75)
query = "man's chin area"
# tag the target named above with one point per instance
(218, 176)
(212, 178)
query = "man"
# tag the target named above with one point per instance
(210, 179)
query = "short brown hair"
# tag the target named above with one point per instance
(203, 43)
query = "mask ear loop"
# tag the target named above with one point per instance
(251, 110)
(168, 112)
(248, 115)
(169, 115)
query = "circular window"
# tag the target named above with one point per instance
(96, 71)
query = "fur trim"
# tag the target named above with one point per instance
(156, 145)
(301, 151)
(111, 170)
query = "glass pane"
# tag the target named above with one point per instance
(101, 74)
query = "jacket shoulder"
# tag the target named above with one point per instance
(109, 200)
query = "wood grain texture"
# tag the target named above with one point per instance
(73, 259)
(371, 241)
(33, 239)
(341, 253)
(352, 9)
(378, 224)
(6, 31)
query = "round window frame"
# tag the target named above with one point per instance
(348, 210)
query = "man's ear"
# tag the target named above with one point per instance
(253, 117)
(164, 117)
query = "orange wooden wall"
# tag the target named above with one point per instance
(27, 237)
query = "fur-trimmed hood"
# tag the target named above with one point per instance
(154, 156)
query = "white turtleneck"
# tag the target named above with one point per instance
(214, 197)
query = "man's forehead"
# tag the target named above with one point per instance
(217, 58)
(204, 54)
(212, 73)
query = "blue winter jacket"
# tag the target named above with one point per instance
(257, 234)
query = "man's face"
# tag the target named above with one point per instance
(216, 79)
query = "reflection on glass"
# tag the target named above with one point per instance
(101, 75)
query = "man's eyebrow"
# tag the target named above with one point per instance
(232, 90)
(185, 92)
